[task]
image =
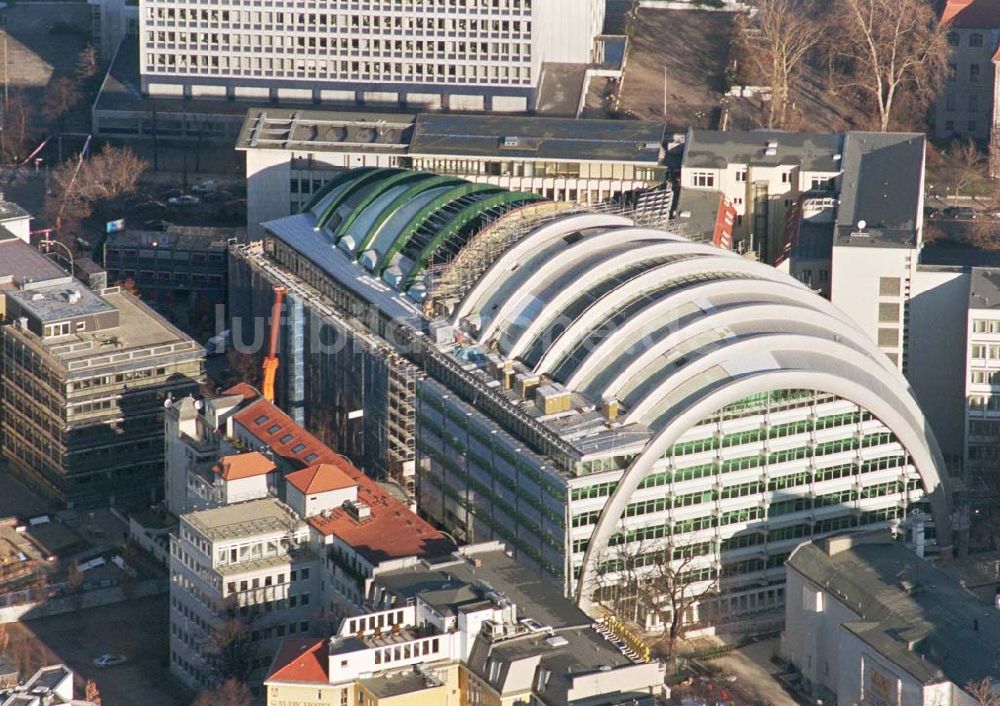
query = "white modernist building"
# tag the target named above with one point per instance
(469, 55)
(867, 621)
(601, 395)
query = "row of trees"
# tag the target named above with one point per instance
(891, 55)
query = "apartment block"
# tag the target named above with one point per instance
(85, 378)
(239, 474)
(291, 154)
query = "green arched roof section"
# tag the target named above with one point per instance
(349, 188)
(380, 189)
(432, 182)
(343, 177)
(441, 201)
(463, 218)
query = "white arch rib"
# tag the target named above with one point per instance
(562, 263)
(616, 298)
(726, 316)
(744, 349)
(523, 249)
(914, 436)
(777, 308)
(607, 271)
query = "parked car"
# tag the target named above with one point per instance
(172, 193)
(184, 200)
(205, 187)
(110, 660)
(216, 196)
(962, 212)
(931, 213)
(156, 224)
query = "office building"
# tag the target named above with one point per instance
(183, 265)
(966, 108)
(291, 153)
(591, 387)
(473, 628)
(477, 55)
(868, 621)
(85, 378)
(248, 562)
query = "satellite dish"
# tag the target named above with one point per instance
(862, 224)
(198, 404)
(166, 403)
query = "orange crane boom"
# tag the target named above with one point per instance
(270, 365)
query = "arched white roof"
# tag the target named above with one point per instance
(680, 338)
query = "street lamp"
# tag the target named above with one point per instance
(69, 253)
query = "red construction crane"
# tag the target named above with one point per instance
(271, 361)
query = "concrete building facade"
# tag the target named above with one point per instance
(479, 55)
(291, 154)
(85, 379)
(249, 564)
(966, 106)
(868, 621)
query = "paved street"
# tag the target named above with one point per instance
(137, 629)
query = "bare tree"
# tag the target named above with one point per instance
(231, 692)
(231, 651)
(890, 50)
(74, 582)
(966, 164)
(90, 693)
(662, 580)
(81, 185)
(129, 285)
(61, 96)
(87, 63)
(673, 586)
(985, 234)
(776, 40)
(245, 367)
(19, 125)
(983, 692)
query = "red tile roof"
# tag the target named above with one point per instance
(301, 659)
(241, 388)
(972, 14)
(392, 531)
(320, 478)
(246, 465)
